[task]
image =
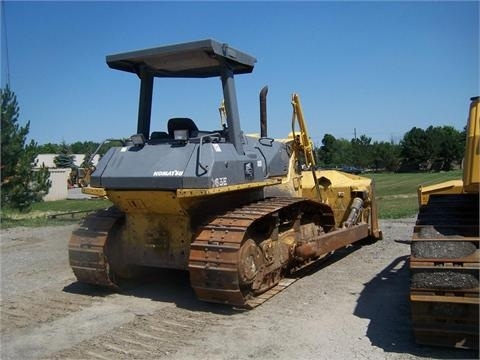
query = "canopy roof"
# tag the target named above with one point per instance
(197, 59)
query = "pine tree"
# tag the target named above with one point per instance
(65, 158)
(20, 184)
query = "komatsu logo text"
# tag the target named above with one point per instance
(168, 173)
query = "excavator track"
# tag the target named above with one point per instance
(444, 268)
(223, 248)
(87, 248)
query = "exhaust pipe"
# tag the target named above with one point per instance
(263, 112)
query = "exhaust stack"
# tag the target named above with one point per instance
(263, 112)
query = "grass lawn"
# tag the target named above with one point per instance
(396, 198)
(40, 214)
(397, 193)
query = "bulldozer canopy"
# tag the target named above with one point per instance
(198, 59)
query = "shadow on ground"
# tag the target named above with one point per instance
(385, 302)
(173, 286)
(170, 286)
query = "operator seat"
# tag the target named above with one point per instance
(182, 124)
(158, 135)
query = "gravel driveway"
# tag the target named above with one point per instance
(355, 306)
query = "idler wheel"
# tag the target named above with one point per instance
(250, 261)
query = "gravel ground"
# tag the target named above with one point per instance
(355, 306)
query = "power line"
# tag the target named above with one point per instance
(4, 26)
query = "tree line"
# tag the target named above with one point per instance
(439, 148)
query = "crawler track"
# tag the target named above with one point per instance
(87, 248)
(219, 254)
(444, 267)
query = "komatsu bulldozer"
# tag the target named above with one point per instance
(237, 211)
(445, 258)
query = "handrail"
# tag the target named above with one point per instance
(304, 143)
(199, 152)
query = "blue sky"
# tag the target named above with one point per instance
(379, 68)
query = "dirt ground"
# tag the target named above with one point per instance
(355, 306)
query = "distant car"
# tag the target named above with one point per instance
(352, 170)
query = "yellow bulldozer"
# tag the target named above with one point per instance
(445, 258)
(236, 211)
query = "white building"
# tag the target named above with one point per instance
(59, 188)
(59, 177)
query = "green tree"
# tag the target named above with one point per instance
(415, 149)
(362, 151)
(326, 153)
(20, 184)
(64, 159)
(435, 148)
(344, 152)
(386, 156)
(334, 152)
(48, 148)
(83, 147)
(446, 146)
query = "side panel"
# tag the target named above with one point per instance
(147, 167)
(471, 172)
(337, 189)
(218, 164)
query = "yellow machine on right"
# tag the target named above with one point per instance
(445, 257)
